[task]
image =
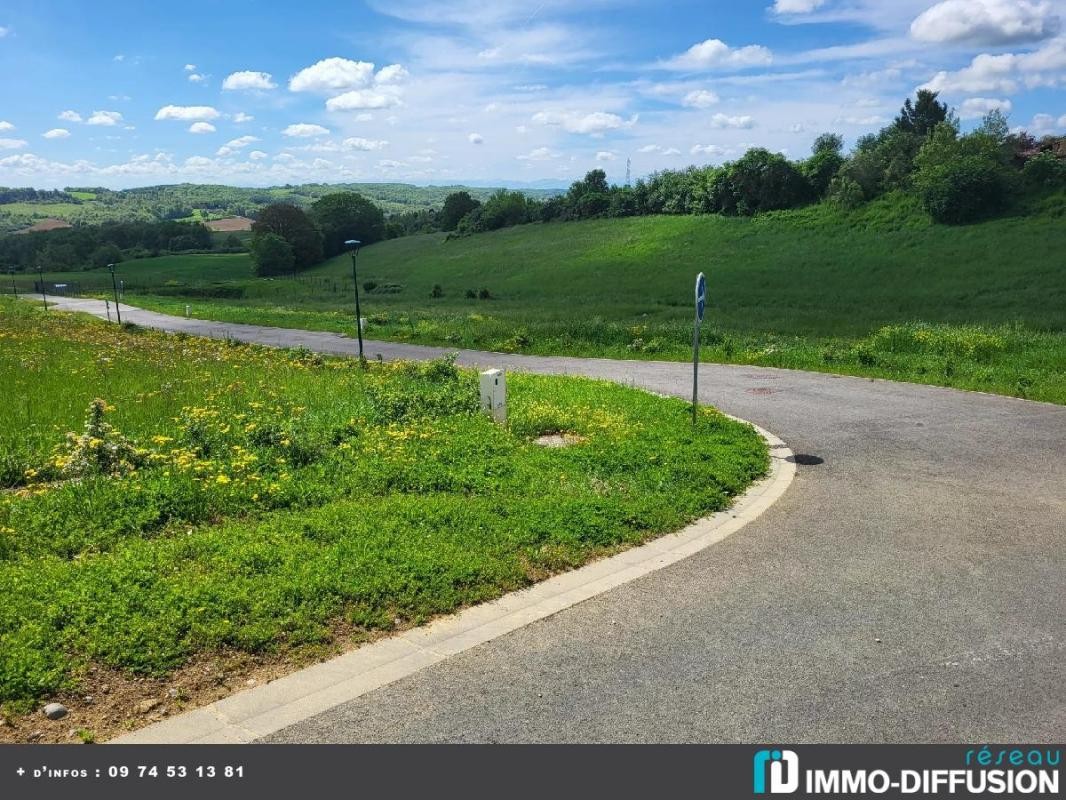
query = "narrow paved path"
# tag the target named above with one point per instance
(909, 587)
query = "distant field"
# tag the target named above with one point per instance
(876, 292)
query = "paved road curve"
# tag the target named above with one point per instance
(910, 587)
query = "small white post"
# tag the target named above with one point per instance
(362, 324)
(107, 306)
(186, 310)
(494, 394)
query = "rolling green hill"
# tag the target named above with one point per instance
(879, 291)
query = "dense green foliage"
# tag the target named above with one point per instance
(271, 255)
(456, 206)
(227, 497)
(296, 227)
(347, 215)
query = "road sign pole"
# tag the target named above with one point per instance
(701, 304)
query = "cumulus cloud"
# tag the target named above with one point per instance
(233, 145)
(475, 138)
(594, 124)
(359, 143)
(70, 116)
(724, 121)
(246, 80)
(12, 144)
(187, 113)
(303, 130)
(538, 154)
(201, 127)
(197, 78)
(359, 99)
(1046, 123)
(796, 6)
(106, 118)
(706, 150)
(240, 116)
(716, 54)
(658, 148)
(56, 133)
(699, 98)
(393, 73)
(1006, 72)
(256, 155)
(190, 68)
(977, 107)
(6, 126)
(986, 22)
(332, 75)
(606, 155)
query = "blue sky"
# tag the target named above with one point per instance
(257, 93)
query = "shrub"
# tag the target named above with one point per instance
(1045, 169)
(962, 190)
(437, 291)
(271, 255)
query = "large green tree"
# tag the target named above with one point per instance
(456, 206)
(271, 255)
(347, 215)
(294, 226)
(922, 115)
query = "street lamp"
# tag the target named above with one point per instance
(40, 279)
(114, 286)
(353, 246)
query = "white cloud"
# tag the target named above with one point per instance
(332, 75)
(361, 99)
(187, 113)
(658, 148)
(724, 121)
(197, 78)
(201, 127)
(190, 68)
(4, 31)
(986, 22)
(247, 80)
(303, 130)
(977, 107)
(6, 126)
(699, 98)
(475, 138)
(862, 122)
(198, 161)
(797, 6)
(538, 154)
(106, 118)
(56, 133)
(12, 144)
(594, 124)
(393, 73)
(256, 155)
(359, 143)
(706, 150)
(234, 145)
(1007, 72)
(716, 54)
(606, 155)
(240, 117)
(1046, 123)
(70, 116)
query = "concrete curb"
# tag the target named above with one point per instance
(248, 715)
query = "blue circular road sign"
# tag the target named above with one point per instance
(701, 295)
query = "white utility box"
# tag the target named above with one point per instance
(494, 394)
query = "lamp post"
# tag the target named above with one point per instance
(353, 246)
(114, 286)
(40, 279)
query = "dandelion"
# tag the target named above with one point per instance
(222, 478)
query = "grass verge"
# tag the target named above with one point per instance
(223, 498)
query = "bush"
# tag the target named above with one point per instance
(963, 190)
(438, 291)
(271, 255)
(1045, 169)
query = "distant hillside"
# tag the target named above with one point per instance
(22, 208)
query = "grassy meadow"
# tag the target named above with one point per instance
(164, 496)
(880, 291)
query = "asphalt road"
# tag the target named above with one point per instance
(911, 586)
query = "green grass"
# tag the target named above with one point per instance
(880, 292)
(249, 499)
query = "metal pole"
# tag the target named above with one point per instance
(40, 277)
(354, 245)
(114, 286)
(14, 288)
(695, 366)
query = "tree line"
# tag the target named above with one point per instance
(957, 177)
